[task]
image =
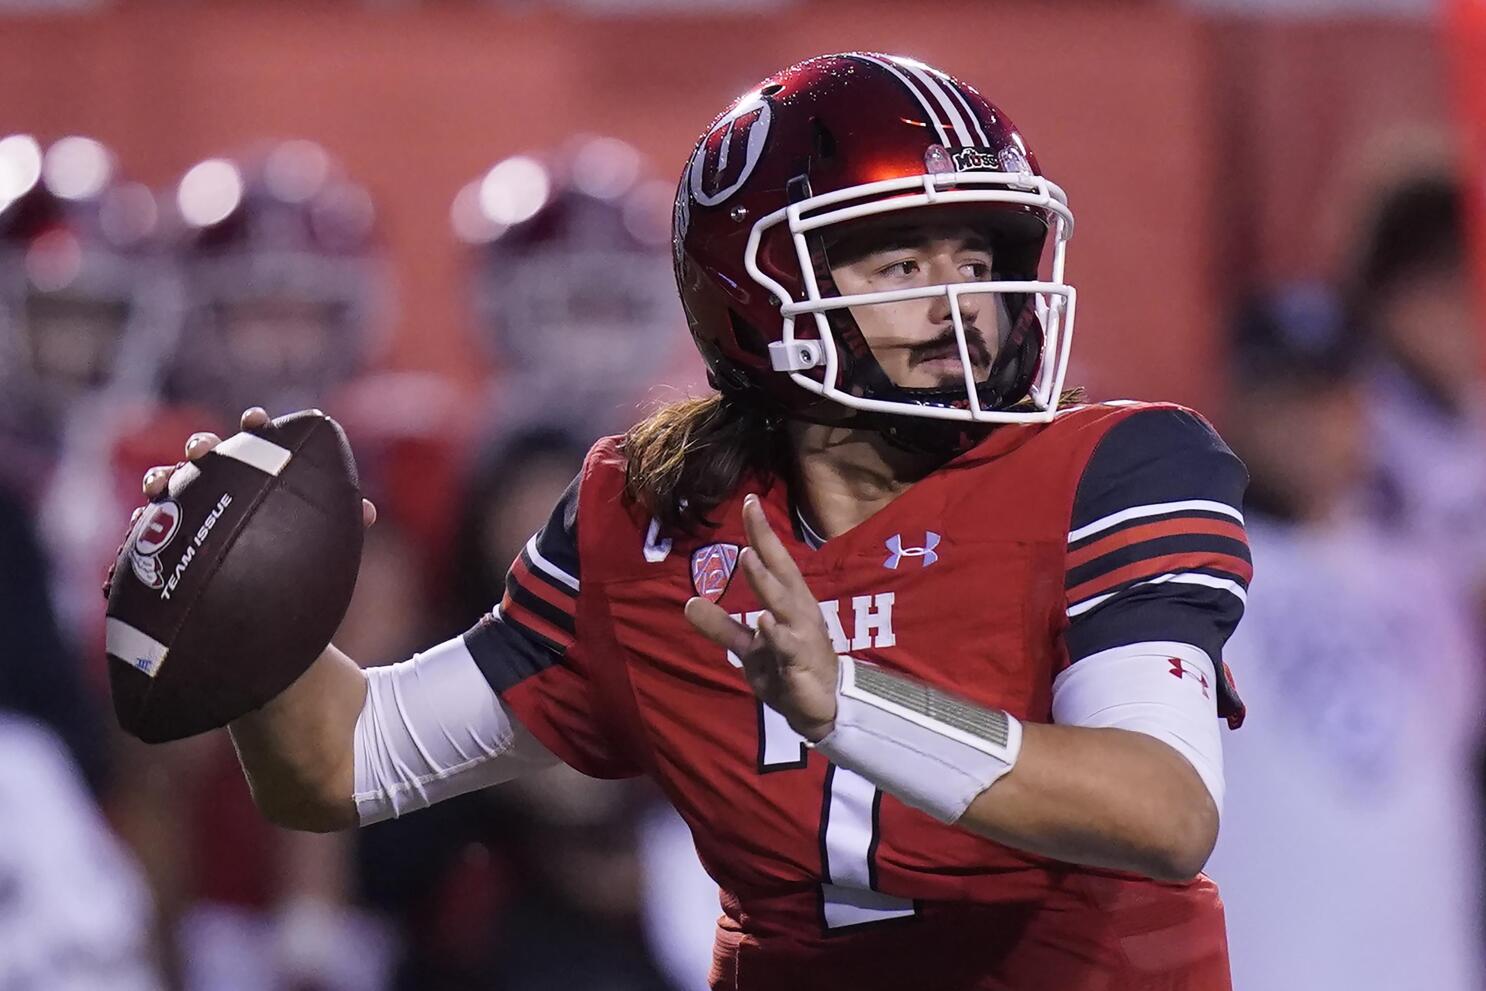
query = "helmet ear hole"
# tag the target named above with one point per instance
(825, 141)
(748, 336)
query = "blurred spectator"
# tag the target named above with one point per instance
(1347, 857)
(285, 291)
(1410, 292)
(75, 914)
(574, 302)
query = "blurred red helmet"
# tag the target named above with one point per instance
(774, 181)
(571, 276)
(82, 298)
(283, 280)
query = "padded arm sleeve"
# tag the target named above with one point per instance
(432, 729)
(1164, 690)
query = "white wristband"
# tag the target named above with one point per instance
(930, 749)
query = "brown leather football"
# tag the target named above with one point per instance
(231, 584)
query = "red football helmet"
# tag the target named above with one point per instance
(82, 298)
(283, 277)
(770, 187)
(572, 284)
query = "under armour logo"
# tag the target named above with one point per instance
(1179, 670)
(897, 552)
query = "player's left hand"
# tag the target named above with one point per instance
(789, 661)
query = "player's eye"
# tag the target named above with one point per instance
(902, 269)
(978, 268)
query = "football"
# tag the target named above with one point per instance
(229, 586)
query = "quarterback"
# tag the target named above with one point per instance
(926, 653)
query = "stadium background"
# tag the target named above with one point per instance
(1212, 151)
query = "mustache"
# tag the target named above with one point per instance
(946, 346)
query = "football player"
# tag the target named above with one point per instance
(283, 280)
(86, 310)
(928, 659)
(84, 304)
(572, 296)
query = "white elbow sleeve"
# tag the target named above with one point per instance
(433, 728)
(1165, 690)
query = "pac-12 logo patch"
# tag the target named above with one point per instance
(157, 527)
(712, 569)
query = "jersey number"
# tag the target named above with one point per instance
(848, 830)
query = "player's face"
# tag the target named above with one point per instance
(1432, 321)
(914, 340)
(72, 341)
(277, 336)
(1304, 442)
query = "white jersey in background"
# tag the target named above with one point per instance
(1348, 854)
(1433, 470)
(75, 914)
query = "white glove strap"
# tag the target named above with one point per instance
(930, 749)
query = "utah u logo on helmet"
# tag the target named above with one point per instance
(726, 156)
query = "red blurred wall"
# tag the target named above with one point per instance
(1189, 150)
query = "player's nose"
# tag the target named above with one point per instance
(969, 303)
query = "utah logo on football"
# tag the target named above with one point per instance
(154, 533)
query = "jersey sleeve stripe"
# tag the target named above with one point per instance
(561, 618)
(531, 575)
(1149, 531)
(1178, 543)
(1181, 578)
(1229, 566)
(517, 614)
(548, 568)
(1154, 509)
(534, 585)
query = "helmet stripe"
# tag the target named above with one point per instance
(963, 101)
(928, 108)
(937, 91)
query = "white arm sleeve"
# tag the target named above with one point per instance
(433, 728)
(1165, 690)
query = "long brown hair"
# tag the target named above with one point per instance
(686, 458)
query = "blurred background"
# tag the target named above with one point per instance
(445, 223)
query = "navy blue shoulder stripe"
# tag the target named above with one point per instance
(552, 555)
(508, 653)
(1164, 462)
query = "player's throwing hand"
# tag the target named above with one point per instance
(789, 661)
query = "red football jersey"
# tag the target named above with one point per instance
(1041, 546)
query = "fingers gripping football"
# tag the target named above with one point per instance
(789, 661)
(157, 480)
